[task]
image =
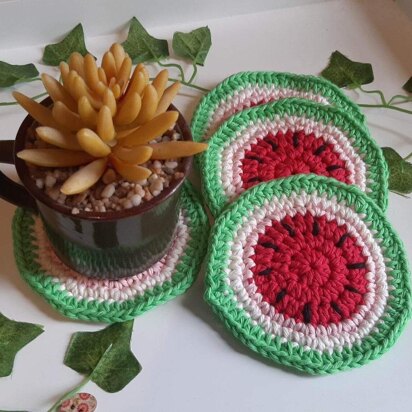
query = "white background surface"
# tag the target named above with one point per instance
(190, 362)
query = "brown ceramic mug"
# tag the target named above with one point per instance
(106, 245)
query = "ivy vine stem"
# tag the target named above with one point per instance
(194, 86)
(386, 106)
(69, 394)
(379, 92)
(187, 84)
(13, 103)
(175, 65)
(192, 77)
(404, 99)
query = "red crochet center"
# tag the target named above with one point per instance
(310, 269)
(290, 153)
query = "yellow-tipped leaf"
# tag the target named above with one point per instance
(40, 113)
(128, 109)
(84, 178)
(86, 112)
(167, 98)
(57, 92)
(105, 127)
(160, 82)
(58, 138)
(92, 143)
(149, 106)
(129, 171)
(66, 118)
(171, 150)
(54, 157)
(135, 155)
(151, 130)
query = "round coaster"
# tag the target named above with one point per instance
(288, 137)
(79, 297)
(247, 89)
(308, 272)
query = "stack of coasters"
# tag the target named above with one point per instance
(308, 272)
(80, 297)
(303, 266)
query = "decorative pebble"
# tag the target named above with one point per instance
(127, 204)
(108, 191)
(54, 193)
(171, 164)
(40, 183)
(75, 211)
(50, 180)
(156, 187)
(136, 200)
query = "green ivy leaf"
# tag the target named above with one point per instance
(13, 73)
(408, 86)
(142, 47)
(400, 171)
(14, 336)
(105, 356)
(73, 42)
(194, 45)
(347, 73)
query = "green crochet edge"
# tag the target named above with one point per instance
(306, 83)
(221, 297)
(184, 276)
(209, 161)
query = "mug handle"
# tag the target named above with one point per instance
(10, 190)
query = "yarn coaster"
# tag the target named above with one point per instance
(308, 272)
(247, 89)
(79, 297)
(288, 137)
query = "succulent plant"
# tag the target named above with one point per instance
(104, 116)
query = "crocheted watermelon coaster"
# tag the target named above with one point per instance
(80, 297)
(290, 137)
(247, 89)
(308, 272)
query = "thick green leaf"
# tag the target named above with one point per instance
(408, 85)
(347, 73)
(73, 42)
(105, 356)
(13, 73)
(142, 47)
(14, 336)
(194, 45)
(400, 171)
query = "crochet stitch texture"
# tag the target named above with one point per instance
(247, 89)
(287, 137)
(308, 272)
(80, 297)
